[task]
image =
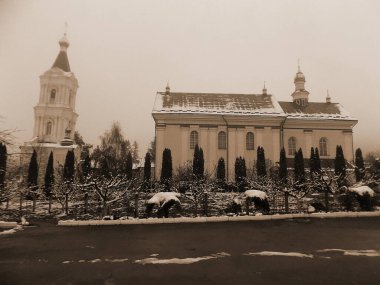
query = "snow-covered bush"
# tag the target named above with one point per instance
(259, 198)
(234, 206)
(164, 201)
(364, 196)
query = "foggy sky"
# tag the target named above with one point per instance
(122, 52)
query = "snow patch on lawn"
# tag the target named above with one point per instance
(189, 260)
(354, 252)
(256, 194)
(276, 253)
(117, 260)
(11, 231)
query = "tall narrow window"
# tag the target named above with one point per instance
(52, 96)
(292, 145)
(222, 140)
(250, 141)
(323, 146)
(193, 139)
(49, 128)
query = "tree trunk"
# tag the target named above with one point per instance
(136, 205)
(66, 203)
(20, 205)
(34, 202)
(50, 203)
(205, 205)
(196, 207)
(286, 202)
(105, 208)
(327, 200)
(85, 202)
(7, 204)
(247, 202)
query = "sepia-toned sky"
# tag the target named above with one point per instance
(122, 52)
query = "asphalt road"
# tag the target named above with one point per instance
(212, 253)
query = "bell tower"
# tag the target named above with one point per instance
(300, 94)
(55, 113)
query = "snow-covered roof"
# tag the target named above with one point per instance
(216, 103)
(316, 110)
(245, 104)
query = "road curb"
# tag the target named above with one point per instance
(216, 219)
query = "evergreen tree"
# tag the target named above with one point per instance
(68, 167)
(135, 153)
(129, 166)
(299, 167)
(317, 161)
(312, 162)
(49, 176)
(3, 165)
(33, 173)
(167, 168)
(221, 170)
(260, 164)
(147, 167)
(283, 172)
(196, 161)
(201, 164)
(340, 162)
(359, 165)
(240, 171)
(86, 165)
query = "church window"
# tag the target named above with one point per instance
(249, 141)
(222, 140)
(323, 147)
(193, 139)
(49, 127)
(292, 145)
(52, 96)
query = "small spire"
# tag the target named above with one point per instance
(328, 98)
(65, 33)
(265, 89)
(299, 68)
(167, 89)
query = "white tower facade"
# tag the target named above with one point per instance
(54, 115)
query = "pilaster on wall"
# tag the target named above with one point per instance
(160, 141)
(185, 129)
(276, 144)
(308, 135)
(212, 150)
(348, 147)
(231, 153)
(260, 136)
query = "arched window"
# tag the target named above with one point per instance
(292, 145)
(250, 141)
(222, 140)
(52, 96)
(323, 147)
(49, 127)
(193, 139)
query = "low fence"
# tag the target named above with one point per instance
(207, 204)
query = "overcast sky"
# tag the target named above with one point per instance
(122, 52)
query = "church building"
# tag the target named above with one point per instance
(233, 125)
(54, 115)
